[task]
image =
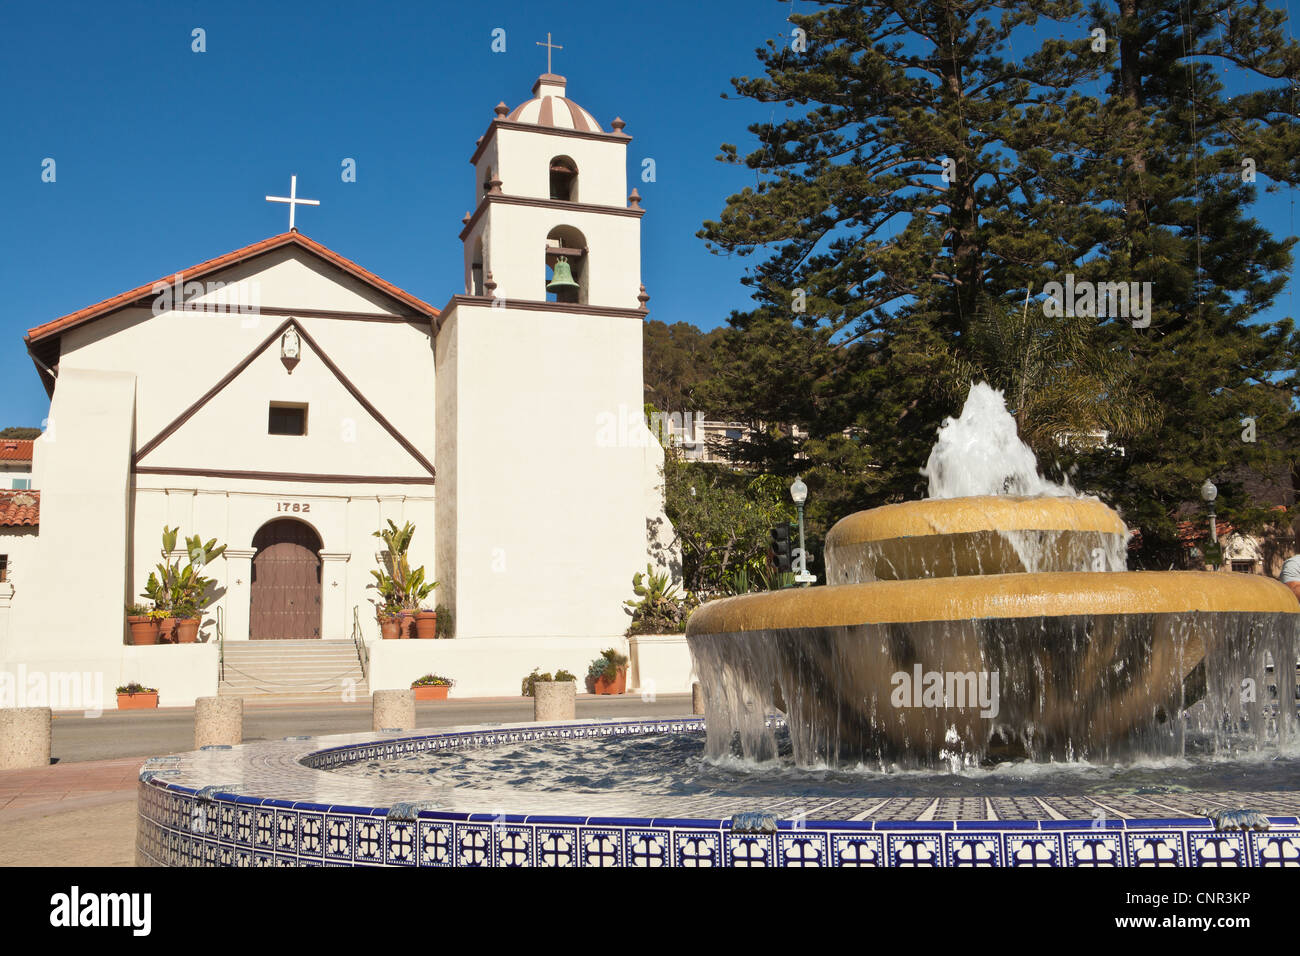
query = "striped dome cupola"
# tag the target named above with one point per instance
(550, 107)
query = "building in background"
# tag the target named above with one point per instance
(15, 464)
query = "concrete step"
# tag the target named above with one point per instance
(362, 697)
(236, 676)
(273, 647)
(335, 663)
(292, 671)
(240, 678)
(324, 687)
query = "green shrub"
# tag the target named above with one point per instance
(527, 689)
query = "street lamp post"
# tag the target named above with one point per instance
(799, 492)
(1208, 494)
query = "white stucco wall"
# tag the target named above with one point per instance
(522, 160)
(177, 356)
(549, 517)
(69, 614)
(19, 547)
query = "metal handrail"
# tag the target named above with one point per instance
(221, 644)
(363, 654)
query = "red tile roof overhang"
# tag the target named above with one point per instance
(43, 341)
(15, 449)
(20, 509)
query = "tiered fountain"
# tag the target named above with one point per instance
(994, 618)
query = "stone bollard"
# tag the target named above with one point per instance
(554, 700)
(393, 709)
(697, 698)
(218, 720)
(24, 737)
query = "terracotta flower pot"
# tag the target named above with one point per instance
(137, 701)
(144, 629)
(167, 631)
(616, 686)
(408, 624)
(426, 625)
(187, 630)
(431, 692)
(390, 629)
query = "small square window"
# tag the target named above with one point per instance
(22, 484)
(287, 419)
(4, 568)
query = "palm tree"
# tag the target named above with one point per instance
(1061, 378)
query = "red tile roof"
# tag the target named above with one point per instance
(15, 449)
(20, 509)
(212, 265)
(1194, 532)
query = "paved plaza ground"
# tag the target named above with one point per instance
(81, 810)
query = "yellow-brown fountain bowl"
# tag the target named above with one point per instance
(946, 537)
(1086, 663)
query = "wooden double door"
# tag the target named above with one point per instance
(286, 584)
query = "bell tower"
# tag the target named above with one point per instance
(552, 195)
(546, 474)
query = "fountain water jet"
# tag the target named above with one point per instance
(1000, 576)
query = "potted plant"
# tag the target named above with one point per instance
(432, 687)
(390, 623)
(134, 696)
(658, 608)
(187, 623)
(402, 587)
(144, 625)
(527, 688)
(608, 673)
(178, 594)
(426, 623)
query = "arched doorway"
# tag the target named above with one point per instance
(285, 600)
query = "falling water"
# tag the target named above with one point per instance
(1114, 682)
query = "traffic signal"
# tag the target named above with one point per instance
(781, 557)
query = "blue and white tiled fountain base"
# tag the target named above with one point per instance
(278, 804)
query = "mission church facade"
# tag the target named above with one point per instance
(288, 402)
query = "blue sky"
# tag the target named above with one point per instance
(164, 155)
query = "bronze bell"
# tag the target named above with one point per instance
(562, 280)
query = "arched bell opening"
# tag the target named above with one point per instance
(564, 179)
(567, 264)
(476, 280)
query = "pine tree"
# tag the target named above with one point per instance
(1217, 374)
(945, 165)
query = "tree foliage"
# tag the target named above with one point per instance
(937, 166)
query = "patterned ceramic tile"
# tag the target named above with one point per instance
(968, 848)
(179, 828)
(604, 847)
(1280, 848)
